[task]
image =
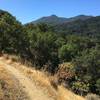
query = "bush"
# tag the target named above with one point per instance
(67, 52)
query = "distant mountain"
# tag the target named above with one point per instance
(53, 19)
(82, 24)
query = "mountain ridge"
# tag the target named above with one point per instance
(54, 19)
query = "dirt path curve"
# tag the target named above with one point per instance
(33, 92)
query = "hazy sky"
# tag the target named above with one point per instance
(29, 10)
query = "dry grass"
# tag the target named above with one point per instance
(64, 94)
(9, 87)
(39, 78)
(42, 80)
(92, 97)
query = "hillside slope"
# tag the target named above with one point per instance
(29, 84)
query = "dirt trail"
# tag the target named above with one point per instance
(30, 88)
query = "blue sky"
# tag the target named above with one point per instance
(29, 10)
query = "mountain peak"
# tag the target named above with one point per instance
(53, 15)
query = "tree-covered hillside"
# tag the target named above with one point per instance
(48, 47)
(87, 27)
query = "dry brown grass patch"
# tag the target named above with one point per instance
(10, 88)
(47, 82)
